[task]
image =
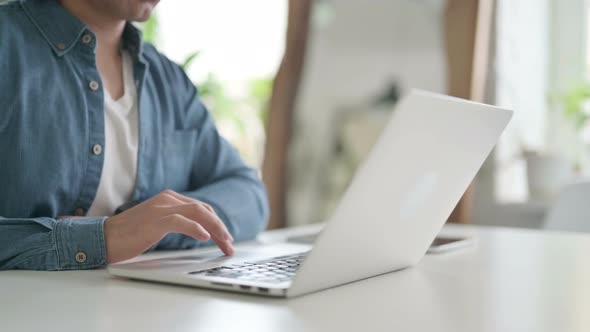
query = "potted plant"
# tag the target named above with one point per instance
(547, 173)
(550, 169)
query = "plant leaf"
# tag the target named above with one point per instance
(189, 59)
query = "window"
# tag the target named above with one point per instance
(541, 52)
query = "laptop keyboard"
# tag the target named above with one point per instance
(275, 270)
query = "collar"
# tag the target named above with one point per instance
(133, 40)
(62, 30)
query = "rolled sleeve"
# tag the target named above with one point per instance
(80, 243)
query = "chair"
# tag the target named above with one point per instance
(571, 211)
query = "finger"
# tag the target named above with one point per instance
(181, 198)
(223, 244)
(185, 199)
(210, 208)
(177, 223)
(200, 214)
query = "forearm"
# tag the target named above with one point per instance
(50, 244)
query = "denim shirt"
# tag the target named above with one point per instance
(52, 120)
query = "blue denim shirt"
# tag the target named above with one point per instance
(51, 117)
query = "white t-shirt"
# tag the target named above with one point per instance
(119, 170)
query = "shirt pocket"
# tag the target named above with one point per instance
(178, 156)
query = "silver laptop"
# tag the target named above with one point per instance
(401, 196)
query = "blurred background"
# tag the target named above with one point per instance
(302, 89)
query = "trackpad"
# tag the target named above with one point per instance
(210, 256)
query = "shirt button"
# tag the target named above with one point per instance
(86, 39)
(79, 212)
(80, 257)
(97, 149)
(93, 85)
(61, 46)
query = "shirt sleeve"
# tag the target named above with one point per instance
(220, 178)
(50, 244)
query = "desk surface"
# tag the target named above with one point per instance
(511, 280)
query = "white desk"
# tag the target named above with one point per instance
(512, 280)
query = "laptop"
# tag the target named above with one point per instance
(426, 157)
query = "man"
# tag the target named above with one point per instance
(93, 122)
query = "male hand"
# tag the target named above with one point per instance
(133, 231)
